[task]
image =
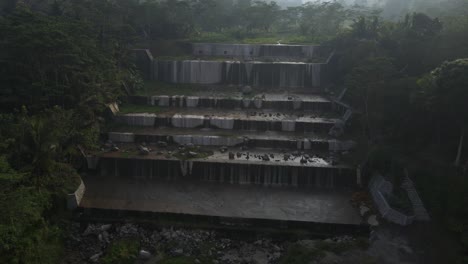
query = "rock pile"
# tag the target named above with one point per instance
(89, 244)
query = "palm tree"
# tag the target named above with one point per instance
(40, 142)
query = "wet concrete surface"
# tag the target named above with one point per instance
(242, 201)
(259, 115)
(267, 97)
(264, 135)
(251, 156)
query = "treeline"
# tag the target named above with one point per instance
(408, 82)
(206, 19)
(57, 74)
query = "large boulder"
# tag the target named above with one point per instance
(143, 150)
(144, 254)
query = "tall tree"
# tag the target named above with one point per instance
(367, 84)
(446, 92)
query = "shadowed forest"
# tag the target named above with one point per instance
(62, 62)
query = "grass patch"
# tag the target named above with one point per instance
(241, 37)
(314, 59)
(185, 260)
(338, 248)
(202, 254)
(192, 57)
(128, 154)
(123, 251)
(162, 88)
(297, 254)
(133, 108)
(185, 154)
(225, 134)
(65, 178)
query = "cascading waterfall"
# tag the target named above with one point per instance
(334, 145)
(308, 51)
(246, 103)
(248, 70)
(314, 70)
(140, 119)
(277, 74)
(304, 144)
(258, 103)
(222, 122)
(122, 137)
(160, 100)
(186, 167)
(201, 140)
(253, 50)
(288, 125)
(234, 173)
(192, 101)
(297, 104)
(187, 121)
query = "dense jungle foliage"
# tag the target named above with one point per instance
(63, 61)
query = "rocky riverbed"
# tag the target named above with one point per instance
(102, 243)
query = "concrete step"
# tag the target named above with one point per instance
(217, 137)
(216, 154)
(232, 120)
(253, 166)
(236, 100)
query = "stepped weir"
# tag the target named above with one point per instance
(253, 142)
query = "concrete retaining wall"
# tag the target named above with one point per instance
(234, 103)
(379, 188)
(124, 137)
(198, 121)
(249, 226)
(74, 199)
(254, 73)
(231, 173)
(255, 50)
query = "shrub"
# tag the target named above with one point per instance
(297, 254)
(123, 251)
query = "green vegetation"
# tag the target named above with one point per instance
(57, 74)
(229, 37)
(132, 108)
(203, 254)
(24, 232)
(192, 153)
(184, 260)
(161, 88)
(124, 251)
(297, 254)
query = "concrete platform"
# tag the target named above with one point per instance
(231, 120)
(235, 201)
(252, 135)
(236, 100)
(263, 115)
(251, 156)
(157, 88)
(230, 138)
(213, 93)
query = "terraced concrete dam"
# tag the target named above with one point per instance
(261, 156)
(240, 64)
